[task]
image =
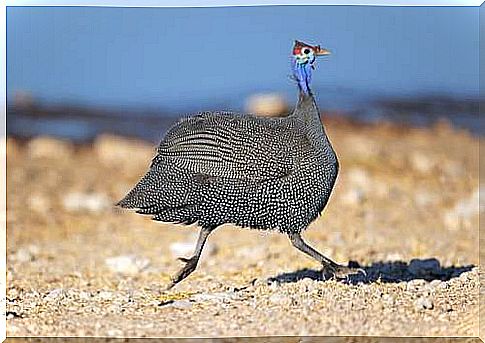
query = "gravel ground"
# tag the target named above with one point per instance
(405, 209)
(256, 340)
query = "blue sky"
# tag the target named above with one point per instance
(179, 58)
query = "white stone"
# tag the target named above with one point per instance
(359, 177)
(84, 295)
(91, 202)
(280, 299)
(127, 264)
(55, 294)
(415, 284)
(105, 295)
(180, 249)
(435, 283)
(217, 297)
(424, 303)
(26, 254)
(114, 333)
(421, 162)
(186, 248)
(181, 304)
(271, 105)
(353, 196)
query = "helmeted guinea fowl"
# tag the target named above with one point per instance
(263, 173)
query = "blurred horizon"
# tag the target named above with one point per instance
(182, 60)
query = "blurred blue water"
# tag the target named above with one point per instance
(86, 123)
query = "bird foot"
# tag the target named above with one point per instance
(190, 265)
(338, 271)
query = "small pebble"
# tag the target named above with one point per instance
(127, 264)
(13, 293)
(91, 202)
(359, 177)
(415, 284)
(39, 203)
(444, 285)
(181, 249)
(181, 304)
(84, 295)
(353, 196)
(435, 283)
(267, 105)
(306, 285)
(54, 294)
(12, 315)
(273, 286)
(217, 297)
(105, 295)
(465, 276)
(388, 300)
(421, 163)
(26, 254)
(280, 299)
(114, 333)
(424, 303)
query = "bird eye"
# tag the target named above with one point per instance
(306, 51)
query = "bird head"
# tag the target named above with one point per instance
(305, 53)
(303, 60)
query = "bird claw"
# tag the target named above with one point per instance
(190, 264)
(343, 272)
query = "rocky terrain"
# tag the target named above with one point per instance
(405, 209)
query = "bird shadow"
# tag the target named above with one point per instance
(387, 272)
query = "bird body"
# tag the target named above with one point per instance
(262, 173)
(256, 172)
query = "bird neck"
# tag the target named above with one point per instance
(302, 73)
(307, 111)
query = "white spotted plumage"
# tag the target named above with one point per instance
(220, 167)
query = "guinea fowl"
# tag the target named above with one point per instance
(262, 173)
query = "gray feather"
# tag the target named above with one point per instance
(221, 167)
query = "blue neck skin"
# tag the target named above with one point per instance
(302, 73)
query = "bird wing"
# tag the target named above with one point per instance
(226, 145)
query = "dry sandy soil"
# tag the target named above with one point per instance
(405, 209)
(253, 340)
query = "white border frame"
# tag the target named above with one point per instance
(231, 3)
(138, 3)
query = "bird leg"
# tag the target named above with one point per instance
(329, 266)
(191, 263)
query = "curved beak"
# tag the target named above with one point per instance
(321, 51)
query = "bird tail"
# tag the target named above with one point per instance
(148, 197)
(145, 195)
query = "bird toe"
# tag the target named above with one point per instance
(342, 272)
